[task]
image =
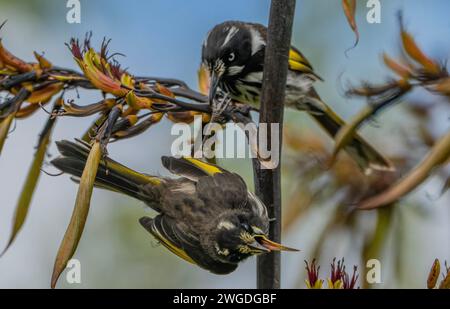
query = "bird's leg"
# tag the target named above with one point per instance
(243, 109)
(105, 131)
(219, 106)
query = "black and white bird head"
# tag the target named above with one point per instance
(230, 49)
(240, 234)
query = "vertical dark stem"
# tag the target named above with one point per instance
(268, 182)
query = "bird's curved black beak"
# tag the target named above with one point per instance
(214, 84)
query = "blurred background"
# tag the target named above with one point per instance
(163, 38)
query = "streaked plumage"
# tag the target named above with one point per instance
(233, 52)
(207, 216)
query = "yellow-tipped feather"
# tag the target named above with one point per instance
(173, 248)
(210, 169)
(131, 174)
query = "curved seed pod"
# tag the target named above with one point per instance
(401, 70)
(434, 274)
(349, 7)
(27, 111)
(32, 179)
(445, 284)
(45, 94)
(76, 226)
(5, 124)
(185, 116)
(136, 102)
(442, 86)
(42, 61)
(139, 127)
(74, 110)
(413, 51)
(13, 61)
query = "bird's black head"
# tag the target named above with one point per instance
(228, 48)
(240, 234)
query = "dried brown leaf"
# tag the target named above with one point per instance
(398, 68)
(434, 274)
(413, 51)
(349, 7)
(445, 283)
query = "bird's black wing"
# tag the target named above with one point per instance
(225, 190)
(190, 168)
(215, 186)
(184, 245)
(297, 61)
(163, 230)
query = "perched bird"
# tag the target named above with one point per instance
(207, 216)
(233, 53)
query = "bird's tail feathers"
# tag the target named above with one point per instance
(364, 154)
(111, 175)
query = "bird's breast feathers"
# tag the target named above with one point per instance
(247, 89)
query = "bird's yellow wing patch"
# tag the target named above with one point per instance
(172, 247)
(208, 168)
(297, 62)
(296, 55)
(129, 173)
(297, 66)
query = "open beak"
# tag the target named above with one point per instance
(255, 245)
(265, 244)
(215, 79)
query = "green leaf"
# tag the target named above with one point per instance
(5, 124)
(32, 179)
(87, 135)
(75, 229)
(346, 133)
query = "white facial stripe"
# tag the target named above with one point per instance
(254, 77)
(233, 70)
(205, 42)
(257, 41)
(223, 252)
(227, 225)
(231, 33)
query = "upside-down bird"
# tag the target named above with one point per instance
(233, 53)
(207, 216)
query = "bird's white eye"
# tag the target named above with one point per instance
(231, 57)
